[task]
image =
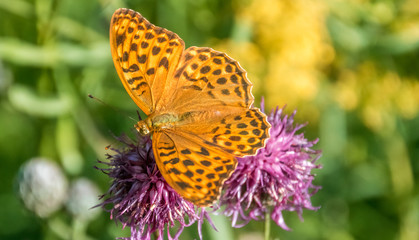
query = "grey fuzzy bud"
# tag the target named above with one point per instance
(83, 196)
(42, 186)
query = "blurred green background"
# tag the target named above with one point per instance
(350, 67)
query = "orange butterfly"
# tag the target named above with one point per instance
(198, 102)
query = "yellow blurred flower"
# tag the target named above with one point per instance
(292, 38)
(379, 95)
(346, 90)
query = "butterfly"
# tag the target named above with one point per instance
(198, 103)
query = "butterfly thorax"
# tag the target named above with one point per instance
(157, 122)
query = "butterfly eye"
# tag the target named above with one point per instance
(142, 128)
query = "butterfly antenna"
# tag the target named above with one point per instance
(139, 116)
(116, 110)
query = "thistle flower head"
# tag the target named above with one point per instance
(141, 198)
(278, 178)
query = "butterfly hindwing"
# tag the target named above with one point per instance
(194, 169)
(238, 133)
(145, 56)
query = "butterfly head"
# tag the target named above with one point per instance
(142, 127)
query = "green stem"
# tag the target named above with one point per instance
(267, 225)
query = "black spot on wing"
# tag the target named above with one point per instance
(233, 78)
(202, 57)
(155, 50)
(216, 72)
(225, 92)
(188, 162)
(142, 58)
(204, 152)
(205, 163)
(194, 87)
(132, 68)
(218, 169)
(120, 39)
(257, 132)
(171, 161)
(134, 47)
(134, 79)
(210, 176)
(162, 154)
(217, 61)
(185, 151)
(125, 56)
(164, 62)
(222, 80)
(149, 35)
(183, 185)
(150, 71)
(189, 174)
(144, 45)
(174, 171)
(205, 69)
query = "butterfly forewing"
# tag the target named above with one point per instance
(145, 57)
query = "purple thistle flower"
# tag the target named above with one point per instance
(141, 198)
(276, 179)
